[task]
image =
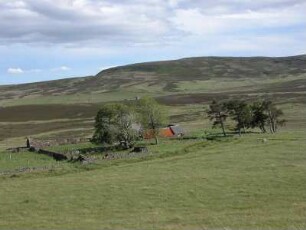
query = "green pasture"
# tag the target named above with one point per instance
(15, 162)
(232, 183)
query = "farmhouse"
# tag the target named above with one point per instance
(169, 131)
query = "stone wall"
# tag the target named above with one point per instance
(56, 156)
(43, 143)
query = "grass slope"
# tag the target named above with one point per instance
(11, 163)
(190, 75)
(236, 184)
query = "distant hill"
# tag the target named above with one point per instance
(188, 75)
(203, 68)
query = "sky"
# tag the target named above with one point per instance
(51, 39)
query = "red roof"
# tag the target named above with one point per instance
(164, 132)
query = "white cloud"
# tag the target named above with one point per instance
(134, 22)
(22, 71)
(64, 68)
(198, 22)
(61, 68)
(87, 21)
(15, 71)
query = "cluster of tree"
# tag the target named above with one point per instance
(261, 114)
(115, 123)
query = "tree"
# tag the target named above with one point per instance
(105, 131)
(124, 119)
(265, 113)
(240, 112)
(273, 116)
(259, 117)
(218, 113)
(152, 115)
(114, 124)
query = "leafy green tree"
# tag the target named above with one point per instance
(240, 112)
(113, 124)
(218, 113)
(124, 119)
(266, 114)
(259, 117)
(152, 115)
(105, 131)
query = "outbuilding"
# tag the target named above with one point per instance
(167, 132)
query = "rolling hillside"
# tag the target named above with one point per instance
(189, 75)
(67, 107)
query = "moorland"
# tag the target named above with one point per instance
(195, 182)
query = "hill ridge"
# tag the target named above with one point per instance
(185, 75)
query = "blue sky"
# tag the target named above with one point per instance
(51, 39)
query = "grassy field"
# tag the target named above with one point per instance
(11, 163)
(227, 183)
(235, 183)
